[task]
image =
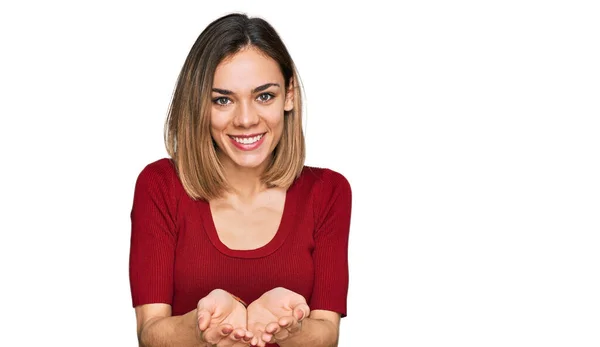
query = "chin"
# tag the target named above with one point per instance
(250, 162)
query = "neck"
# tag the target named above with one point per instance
(244, 182)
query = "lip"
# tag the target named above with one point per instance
(246, 136)
(247, 147)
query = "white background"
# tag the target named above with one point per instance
(469, 131)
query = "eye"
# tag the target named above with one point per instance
(265, 97)
(221, 101)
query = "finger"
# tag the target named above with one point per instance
(225, 329)
(267, 337)
(286, 322)
(259, 341)
(211, 336)
(282, 335)
(236, 339)
(238, 334)
(288, 325)
(301, 311)
(248, 335)
(205, 308)
(294, 328)
(272, 328)
(203, 319)
(214, 335)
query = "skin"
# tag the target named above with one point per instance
(249, 97)
(276, 315)
(222, 320)
(239, 109)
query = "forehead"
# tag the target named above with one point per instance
(246, 70)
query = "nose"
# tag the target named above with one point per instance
(246, 116)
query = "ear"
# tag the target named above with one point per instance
(289, 97)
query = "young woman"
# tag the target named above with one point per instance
(234, 241)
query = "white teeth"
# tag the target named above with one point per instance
(247, 140)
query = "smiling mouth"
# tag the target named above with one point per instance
(247, 140)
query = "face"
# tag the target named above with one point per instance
(247, 112)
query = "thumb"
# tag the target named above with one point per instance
(203, 319)
(206, 308)
(301, 311)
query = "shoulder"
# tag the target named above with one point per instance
(324, 177)
(161, 169)
(160, 174)
(324, 184)
(330, 195)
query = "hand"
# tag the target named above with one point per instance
(222, 320)
(276, 316)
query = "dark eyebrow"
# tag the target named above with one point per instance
(222, 91)
(255, 90)
(264, 87)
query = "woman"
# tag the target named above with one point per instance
(234, 241)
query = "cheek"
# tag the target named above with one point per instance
(274, 118)
(217, 127)
(276, 125)
(218, 122)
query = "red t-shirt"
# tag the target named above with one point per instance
(177, 257)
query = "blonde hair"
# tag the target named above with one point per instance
(187, 128)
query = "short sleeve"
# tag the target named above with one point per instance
(153, 236)
(330, 255)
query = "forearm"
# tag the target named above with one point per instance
(314, 333)
(179, 331)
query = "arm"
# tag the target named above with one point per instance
(157, 328)
(278, 316)
(219, 320)
(286, 324)
(151, 263)
(320, 329)
(330, 257)
(331, 236)
(152, 253)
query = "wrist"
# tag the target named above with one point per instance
(238, 299)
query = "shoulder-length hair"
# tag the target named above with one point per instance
(187, 128)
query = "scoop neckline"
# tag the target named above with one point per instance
(274, 244)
